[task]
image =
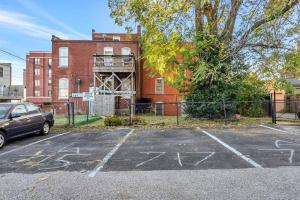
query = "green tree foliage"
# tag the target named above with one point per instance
(252, 96)
(217, 40)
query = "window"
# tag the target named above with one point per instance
(37, 93)
(63, 88)
(1, 72)
(49, 72)
(116, 38)
(32, 108)
(36, 72)
(37, 61)
(50, 61)
(49, 93)
(126, 85)
(108, 52)
(159, 108)
(159, 86)
(19, 109)
(36, 82)
(126, 51)
(49, 82)
(63, 56)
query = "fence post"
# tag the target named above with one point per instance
(130, 111)
(177, 113)
(73, 113)
(87, 111)
(274, 107)
(69, 116)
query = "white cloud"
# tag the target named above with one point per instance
(43, 13)
(28, 25)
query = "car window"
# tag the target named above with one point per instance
(32, 108)
(4, 110)
(19, 109)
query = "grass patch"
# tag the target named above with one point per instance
(169, 122)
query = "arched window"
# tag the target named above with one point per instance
(63, 88)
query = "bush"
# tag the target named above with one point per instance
(122, 121)
(135, 121)
(113, 121)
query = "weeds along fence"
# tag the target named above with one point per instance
(176, 113)
(182, 113)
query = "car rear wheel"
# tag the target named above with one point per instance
(2, 139)
(45, 129)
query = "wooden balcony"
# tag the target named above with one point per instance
(113, 63)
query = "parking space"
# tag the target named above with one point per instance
(69, 152)
(157, 149)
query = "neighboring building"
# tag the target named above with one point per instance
(5, 75)
(38, 77)
(8, 92)
(108, 61)
(108, 65)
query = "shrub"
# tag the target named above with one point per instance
(113, 121)
(122, 121)
(135, 121)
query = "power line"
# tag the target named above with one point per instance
(12, 54)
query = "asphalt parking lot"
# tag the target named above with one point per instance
(149, 150)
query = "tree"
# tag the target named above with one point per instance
(235, 33)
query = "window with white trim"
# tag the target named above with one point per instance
(63, 88)
(159, 108)
(49, 72)
(37, 72)
(159, 86)
(37, 61)
(36, 83)
(116, 38)
(37, 93)
(126, 51)
(63, 56)
(50, 61)
(108, 52)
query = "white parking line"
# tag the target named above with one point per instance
(16, 149)
(100, 166)
(250, 161)
(274, 129)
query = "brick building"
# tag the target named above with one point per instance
(108, 65)
(38, 77)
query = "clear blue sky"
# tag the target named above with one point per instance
(27, 25)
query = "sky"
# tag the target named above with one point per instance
(27, 25)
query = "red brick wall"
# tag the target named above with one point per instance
(43, 77)
(80, 65)
(168, 97)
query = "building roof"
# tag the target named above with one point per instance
(294, 82)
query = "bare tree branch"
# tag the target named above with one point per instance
(230, 22)
(289, 5)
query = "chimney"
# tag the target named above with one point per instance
(138, 30)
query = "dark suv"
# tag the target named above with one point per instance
(17, 119)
